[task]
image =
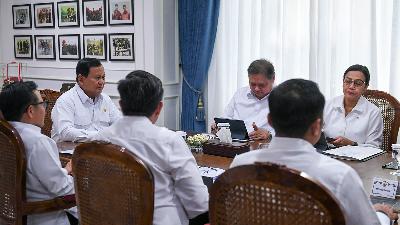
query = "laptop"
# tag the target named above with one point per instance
(237, 127)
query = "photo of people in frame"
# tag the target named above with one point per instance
(68, 14)
(95, 46)
(21, 16)
(44, 15)
(23, 46)
(69, 46)
(121, 47)
(44, 47)
(120, 12)
(94, 13)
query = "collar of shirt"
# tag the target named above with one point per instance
(84, 98)
(359, 108)
(25, 126)
(286, 143)
(136, 119)
(250, 94)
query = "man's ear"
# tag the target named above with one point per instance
(29, 111)
(315, 127)
(80, 79)
(159, 108)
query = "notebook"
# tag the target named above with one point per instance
(357, 153)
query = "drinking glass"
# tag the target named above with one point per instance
(396, 157)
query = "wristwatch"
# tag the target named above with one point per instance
(354, 143)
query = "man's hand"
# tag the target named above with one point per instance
(214, 128)
(387, 209)
(68, 167)
(259, 134)
(341, 141)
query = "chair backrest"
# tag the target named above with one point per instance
(66, 86)
(51, 97)
(12, 175)
(271, 194)
(112, 186)
(390, 108)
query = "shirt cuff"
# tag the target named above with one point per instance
(383, 218)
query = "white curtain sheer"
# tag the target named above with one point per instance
(310, 39)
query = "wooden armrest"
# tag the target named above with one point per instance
(55, 204)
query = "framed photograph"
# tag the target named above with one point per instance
(44, 15)
(69, 46)
(23, 46)
(95, 46)
(121, 47)
(44, 47)
(120, 12)
(68, 14)
(94, 12)
(21, 16)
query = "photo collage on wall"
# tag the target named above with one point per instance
(67, 16)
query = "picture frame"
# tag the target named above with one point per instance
(22, 16)
(44, 15)
(68, 14)
(120, 12)
(94, 13)
(121, 47)
(95, 46)
(23, 47)
(69, 47)
(45, 47)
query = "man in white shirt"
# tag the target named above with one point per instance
(23, 106)
(250, 103)
(296, 108)
(179, 193)
(83, 110)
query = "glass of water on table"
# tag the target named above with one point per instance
(396, 157)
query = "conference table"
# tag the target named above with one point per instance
(367, 170)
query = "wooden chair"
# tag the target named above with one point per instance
(267, 193)
(13, 205)
(51, 97)
(66, 86)
(112, 186)
(390, 108)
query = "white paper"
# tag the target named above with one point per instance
(207, 171)
(68, 151)
(355, 152)
(384, 188)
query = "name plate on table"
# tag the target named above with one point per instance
(384, 188)
(215, 147)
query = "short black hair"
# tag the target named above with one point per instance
(294, 105)
(140, 93)
(84, 65)
(262, 66)
(363, 69)
(15, 99)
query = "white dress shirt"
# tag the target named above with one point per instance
(247, 107)
(179, 192)
(342, 180)
(76, 117)
(45, 178)
(363, 124)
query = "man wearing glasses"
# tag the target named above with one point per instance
(84, 110)
(350, 119)
(23, 106)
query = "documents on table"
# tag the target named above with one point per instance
(359, 153)
(384, 188)
(207, 171)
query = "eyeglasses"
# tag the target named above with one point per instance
(356, 82)
(45, 103)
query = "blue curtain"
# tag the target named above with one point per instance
(198, 20)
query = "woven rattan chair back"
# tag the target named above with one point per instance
(12, 175)
(390, 108)
(113, 187)
(51, 97)
(268, 194)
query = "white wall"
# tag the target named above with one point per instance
(156, 51)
